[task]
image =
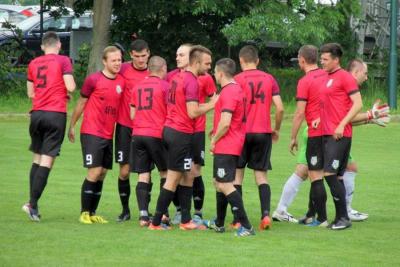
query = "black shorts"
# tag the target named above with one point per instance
(96, 151)
(47, 131)
(179, 149)
(314, 153)
(224, 169)
(199, 144)
(256, 153)
(123, 136)
(336, 154)
(147, 151)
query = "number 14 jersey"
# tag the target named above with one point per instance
(259, 88)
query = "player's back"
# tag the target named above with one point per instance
(259, 88)
(46, 73)
(183, 88)
(149, 99)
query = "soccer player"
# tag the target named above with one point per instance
(182, 109)
(227, 141)
(261, 90)
(99, 102)
(133, 72)
(148, 111)
(308, 107)
(377, 115)
(340, 103)
(49, 82)
(206, 88)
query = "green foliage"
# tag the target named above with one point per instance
(293, 23)
(80, 68)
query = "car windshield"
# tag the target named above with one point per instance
(29, 22)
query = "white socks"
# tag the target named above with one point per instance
(289, 192)
(349, 183)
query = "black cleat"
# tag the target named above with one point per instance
(124, 216)
(341, 224)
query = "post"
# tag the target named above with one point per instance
(41, 19)
(393, 55)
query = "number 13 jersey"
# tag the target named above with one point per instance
(259, 88)
(46, 73)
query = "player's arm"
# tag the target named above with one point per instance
(76, 114)
(297, 121)
(133, 112)
(276, 99)
(30, 90)
(222, 128)
(355, 108)
(195, 109)
(69, 82)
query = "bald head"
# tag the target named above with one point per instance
(359, 70)
(157, 66)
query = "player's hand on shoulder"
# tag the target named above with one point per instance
(293, 146)
(213, 99)
(71, 135)
(275, 136)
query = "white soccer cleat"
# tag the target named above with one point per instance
(357, 216)
(283, 216)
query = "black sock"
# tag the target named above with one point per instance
(142, 195)
(339, 196)
(96, 196)
(264, 191)
(222, 204)
(185, 198)
(149, 188)
(124, 189)
(198, 195)
(311, 209)
(176, 199)
(38, 185)
(163, 202)
(236, 202)
(87, 193)
(318, 194)
(239, 190)
(34, 168)
(162, 182)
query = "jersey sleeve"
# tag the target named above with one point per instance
(66, 66)
(88, 86)
(191, 90)
(275, 86)
(350, 84)
(133, 100)
(228, 102)
(302, 92)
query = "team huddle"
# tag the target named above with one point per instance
(157, 119)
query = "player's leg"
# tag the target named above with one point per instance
(336, 154)
(264, 192)
(289, 193)
(122, 153)
(47, 132)
(224, 173)
(237, 183)
(142, 193)
(34, 167)
(198, 184)
(349, 184)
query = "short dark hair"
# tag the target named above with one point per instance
(196, 51)
(249, 53)
(309, 53)
(227, 66)
(139, 45)
(334, 49)
(355, 64)
(156, 63)
(50, 39)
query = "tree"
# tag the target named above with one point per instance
(101, 24)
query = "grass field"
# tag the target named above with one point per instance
(59, 240)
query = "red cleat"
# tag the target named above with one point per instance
(159, 227)
(235, 225)
(192, 226)
(265, 223)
